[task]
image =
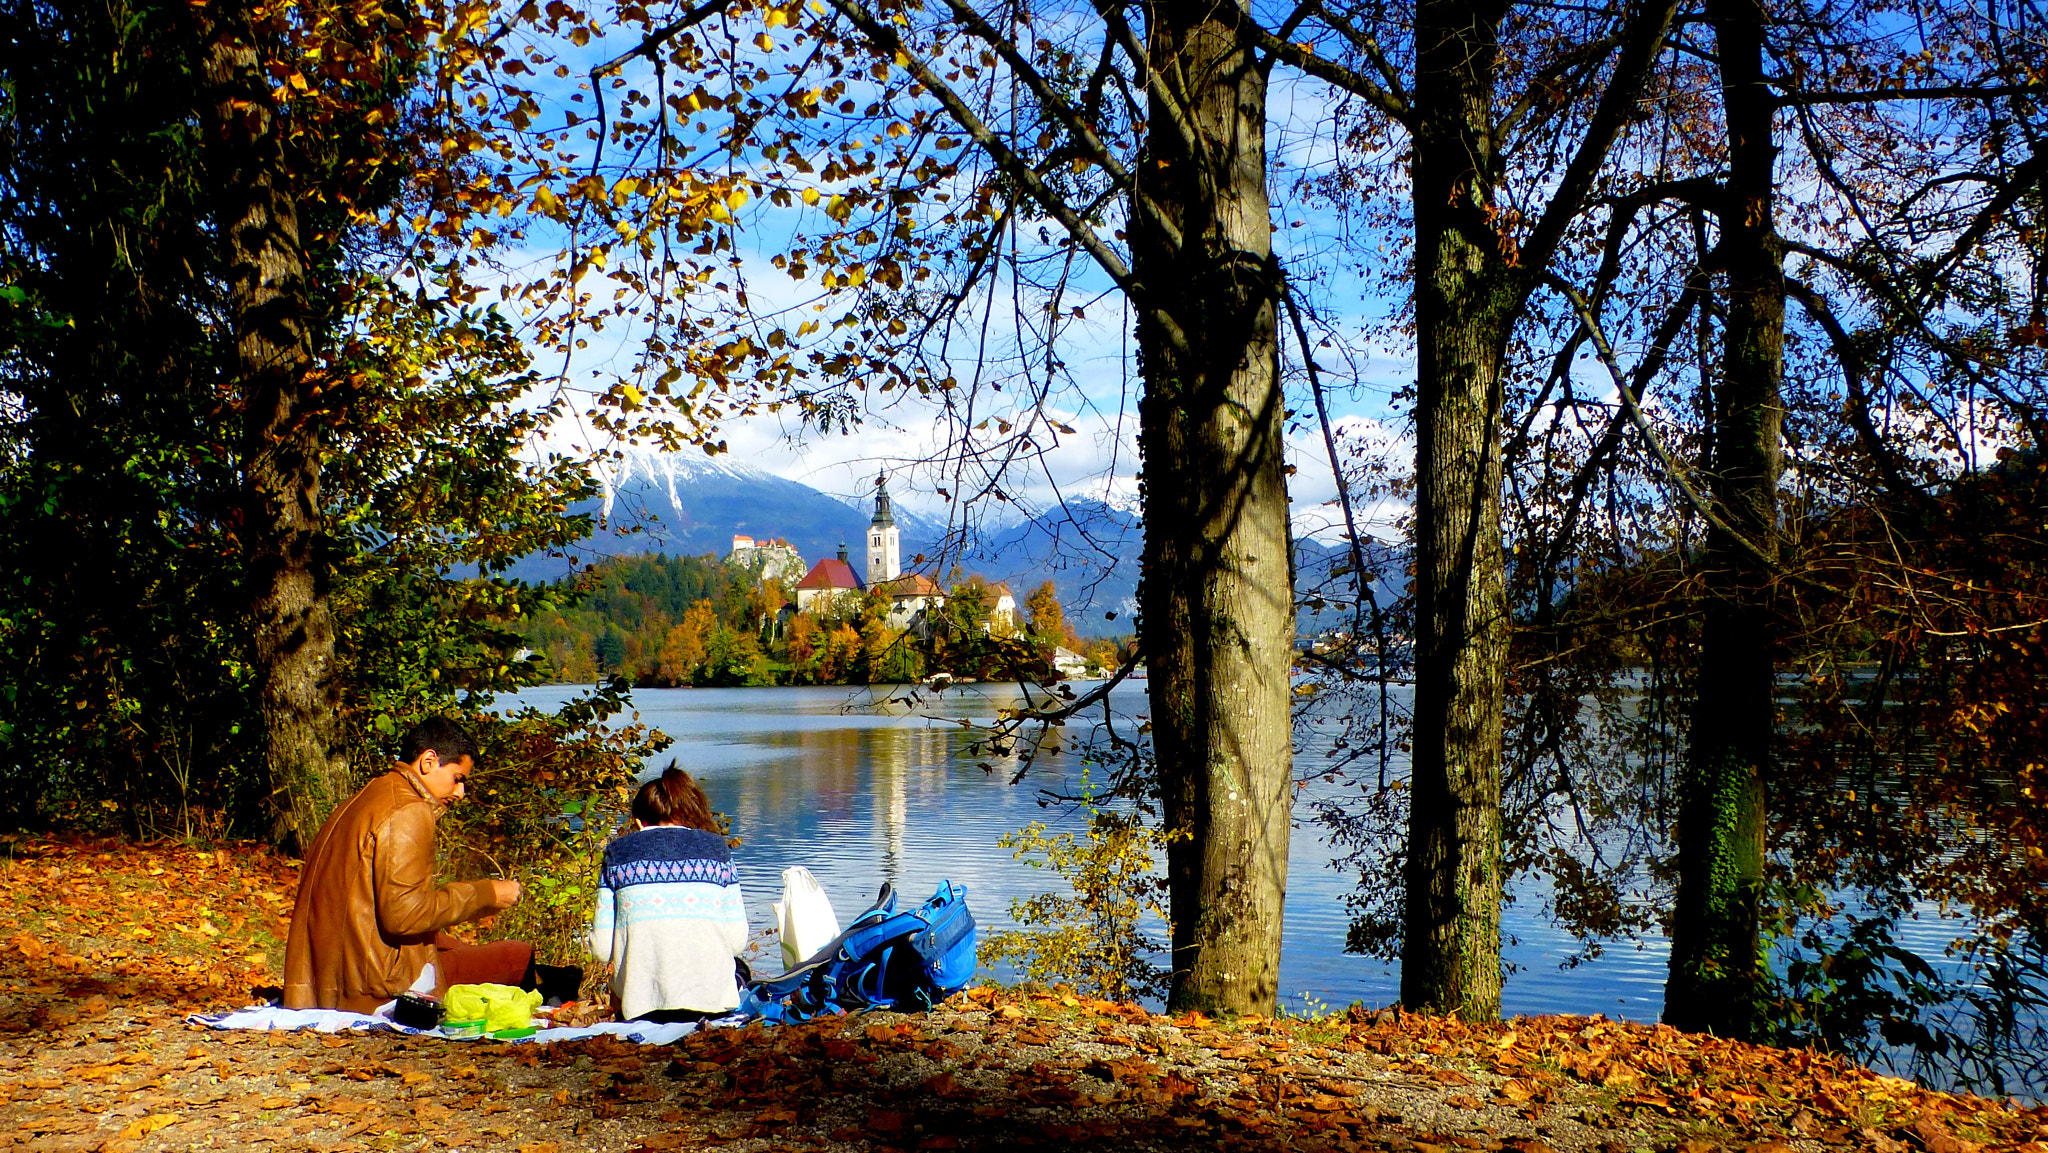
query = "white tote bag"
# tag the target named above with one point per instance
(803, 917)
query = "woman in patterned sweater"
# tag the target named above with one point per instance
(669, 914)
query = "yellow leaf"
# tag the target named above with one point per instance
(775, 18)
(150, 1124)
(811, 196)
(765, 42)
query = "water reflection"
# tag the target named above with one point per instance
(861, 791)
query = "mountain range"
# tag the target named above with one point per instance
(687, 505)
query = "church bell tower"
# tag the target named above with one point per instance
(885, 547)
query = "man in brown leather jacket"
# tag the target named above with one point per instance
(369, 917)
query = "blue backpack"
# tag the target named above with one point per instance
(884, 960)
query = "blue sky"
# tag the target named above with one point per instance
(1096, 383)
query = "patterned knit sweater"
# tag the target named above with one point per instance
(670, 920)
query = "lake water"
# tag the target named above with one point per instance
(860, 792)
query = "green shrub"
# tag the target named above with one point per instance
(1097, 938)
(547, 795)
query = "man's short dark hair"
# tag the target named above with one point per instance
(450, 741)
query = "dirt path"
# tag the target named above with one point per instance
(94, 1055)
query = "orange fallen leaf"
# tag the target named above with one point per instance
(147, 1125)
(888, 1121)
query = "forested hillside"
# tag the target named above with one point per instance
(694, 620)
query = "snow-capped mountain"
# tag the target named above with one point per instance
(688, 504)
(1088, 549)
(1091, 552)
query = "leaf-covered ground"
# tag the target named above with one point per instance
(109, 945)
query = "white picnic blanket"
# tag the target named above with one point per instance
(266, 1017)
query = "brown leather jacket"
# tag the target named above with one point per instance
(368, 909)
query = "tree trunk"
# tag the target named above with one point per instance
(1217, 599)
(1714, 948)
(1466, 296)
(291, 629)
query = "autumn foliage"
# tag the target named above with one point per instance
(115, 941)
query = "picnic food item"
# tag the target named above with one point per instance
(497, 1006)
(417, 1010)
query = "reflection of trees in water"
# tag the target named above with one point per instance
(888, 766)
(829, 784)
(903, 759)
(1864, 961)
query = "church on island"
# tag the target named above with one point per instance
(833, 580)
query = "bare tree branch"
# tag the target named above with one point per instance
(1882, 95)
(1644, 43)
(656, 39)
(1303, 57)
(885, 38)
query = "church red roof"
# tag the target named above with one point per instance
(830, 573)
(912, 584)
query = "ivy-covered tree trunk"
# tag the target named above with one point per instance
(1466, 296)
(1217, 593)
(1715, 965)
(272, 316)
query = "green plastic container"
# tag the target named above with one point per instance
(462, 1029)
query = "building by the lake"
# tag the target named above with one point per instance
(833, 586)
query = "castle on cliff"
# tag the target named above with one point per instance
(770, 560)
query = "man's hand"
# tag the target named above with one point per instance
(505, 893)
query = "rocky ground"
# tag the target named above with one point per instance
(111, 945)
